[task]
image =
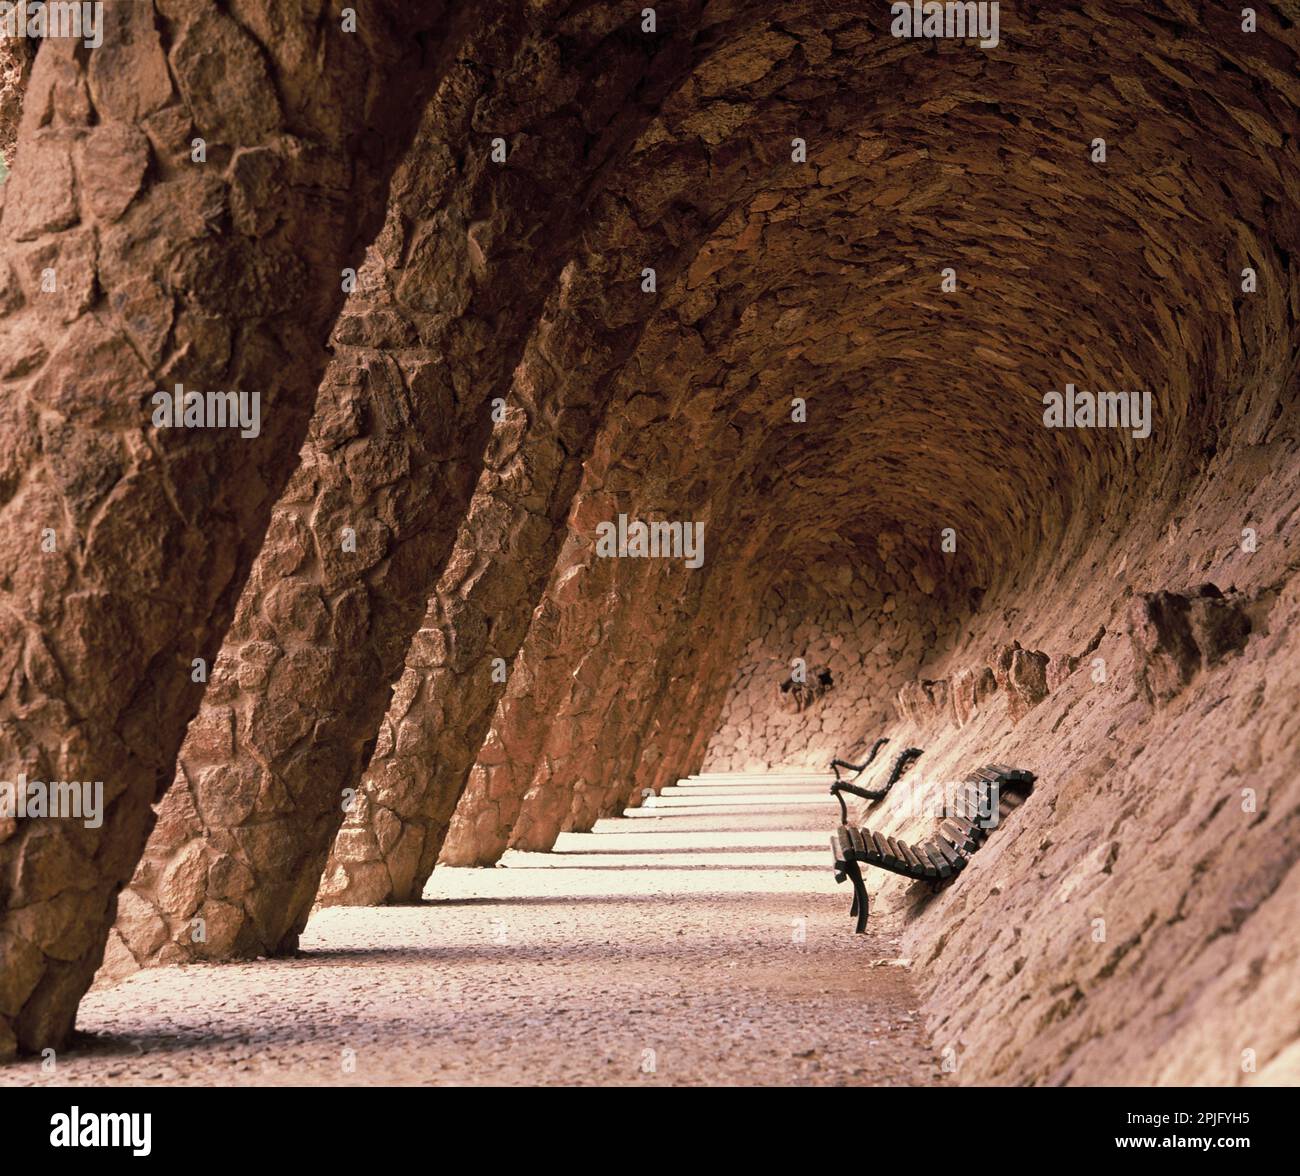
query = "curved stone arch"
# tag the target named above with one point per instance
(1003, 556)
(838, 179)
(1151, 248)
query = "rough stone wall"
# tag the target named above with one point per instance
(847, 617)
(16, 56)
(1129, 923)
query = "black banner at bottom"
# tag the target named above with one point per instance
(909, 1126)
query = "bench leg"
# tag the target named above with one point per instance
(860, 907)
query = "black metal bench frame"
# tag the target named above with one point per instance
(857, 769)
(941, 857)
(902, 762)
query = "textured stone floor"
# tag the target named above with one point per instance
(699, 940)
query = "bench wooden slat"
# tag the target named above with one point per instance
(973, 805)
(921, 863)
(919, 869)
(960, 836)
(944, 848)
(883, 856)
(965, 827)
(949, 867)
(941, 864)
(909, 856)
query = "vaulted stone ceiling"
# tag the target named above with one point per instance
(801, 183)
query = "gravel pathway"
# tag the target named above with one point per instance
(701, 940)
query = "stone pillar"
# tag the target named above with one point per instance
(16, 56)
(299, 695)
(455, 669)
(136, 258)
(676, 639)
(442, 710)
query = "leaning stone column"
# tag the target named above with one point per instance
(673, 627)
(589, 742)
(678, 731)
(16, 56)
(455, 668)
(184, 200)
(482, 608)
(491, 794)
(442, 710)
(589, 636)
(301, 688)
(302, 679)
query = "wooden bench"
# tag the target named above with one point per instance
(944, 854)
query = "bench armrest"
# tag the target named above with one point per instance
(844, 786)
(837, 764)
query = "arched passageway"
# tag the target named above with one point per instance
(962, 377)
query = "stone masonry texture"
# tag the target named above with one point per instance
(800, 297)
